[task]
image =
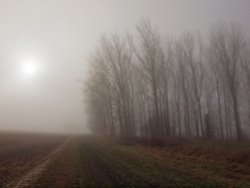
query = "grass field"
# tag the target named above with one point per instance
(87, 161)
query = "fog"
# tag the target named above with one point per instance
(55, 38)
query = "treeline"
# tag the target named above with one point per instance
(153, 87)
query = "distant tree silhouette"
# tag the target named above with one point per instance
(153, 88)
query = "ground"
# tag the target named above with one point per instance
(88, 161)
(19, 153)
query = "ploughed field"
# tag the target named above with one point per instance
(21, 152)
(88, 161)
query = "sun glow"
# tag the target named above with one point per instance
(29, 67)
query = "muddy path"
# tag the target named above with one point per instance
(90, 162)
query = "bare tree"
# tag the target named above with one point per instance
(245, 62)
(147, 53)
(226, 45)
(144, 87)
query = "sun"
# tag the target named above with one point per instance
(29, 67)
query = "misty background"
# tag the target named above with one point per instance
(59, 35)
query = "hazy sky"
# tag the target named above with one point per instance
(54, 37)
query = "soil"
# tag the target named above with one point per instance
(88, 161)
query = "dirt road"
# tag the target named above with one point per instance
(28, 161)
(92, 162)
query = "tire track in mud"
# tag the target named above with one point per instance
(30, 178)
(98, 171)
(104, 168)
(105, 165)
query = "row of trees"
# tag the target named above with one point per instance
(153, 87)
